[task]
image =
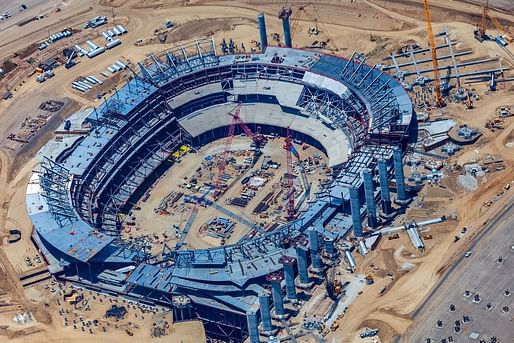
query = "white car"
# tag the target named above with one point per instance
(467, 254)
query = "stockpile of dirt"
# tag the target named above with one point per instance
(206, 27)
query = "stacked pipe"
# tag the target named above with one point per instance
(117, 66)
(60, 35)
(84, 84)
(94, 50)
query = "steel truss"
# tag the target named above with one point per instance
(54, 180)
(154, 295)
(159, 69)
(130, 131)
(225, 326)
(351, 171)
(376, 89)
(344, 113)
(136, 249)
(241, 251)
(135, 172)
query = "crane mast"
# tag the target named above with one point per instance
(483, 24)
(223, 163)
(257, 138)
(439, 100)
(291, 212)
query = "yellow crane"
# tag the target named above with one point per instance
(485, 9)
(439, 100)
(302, 10)
(480, 32)
(500, 28)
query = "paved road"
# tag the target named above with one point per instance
(479, 274)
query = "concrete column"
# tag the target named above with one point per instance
(288, 263)
(275, 279)
(329, 246)
(355, 206)
(262, 31)
(287, 32)
(385, 194)
(253, 331)
(401, 194)
(284, 14)
(369, 192)
(301, 255)
(265, 312)
(314, 246)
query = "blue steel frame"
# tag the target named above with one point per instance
(54, 180)
(370, 108)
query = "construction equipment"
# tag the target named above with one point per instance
(198, 201)
(480, 33)
(334, 326)
(332, 284)
(439, 100)
(258, 139)
(73, 297)
(118, 312)
(296, 18)
(289, 147)
(313, 31)
(502, 29)
(446, 86)
(469, 102)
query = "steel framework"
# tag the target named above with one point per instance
(54, 180)
(377, 90)
(159, 69)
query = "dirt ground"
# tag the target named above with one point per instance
(350, 25)
(150, 221)
(86, 320)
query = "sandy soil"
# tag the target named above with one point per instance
(149, 222)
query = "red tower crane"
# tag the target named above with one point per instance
(257, 138)
(288, 146)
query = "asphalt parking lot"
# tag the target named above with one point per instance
(479, 287)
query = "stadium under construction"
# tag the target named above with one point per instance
(355, 113)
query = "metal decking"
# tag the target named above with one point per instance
(138, 128)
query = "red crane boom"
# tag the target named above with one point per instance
(291, 213)
(256, 137)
